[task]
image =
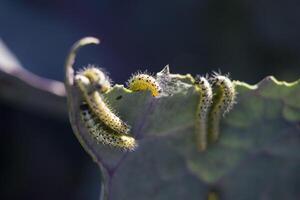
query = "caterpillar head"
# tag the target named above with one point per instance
(83, 82)
(223, 84)
(218, 79)
(97, 79)
(202, 81)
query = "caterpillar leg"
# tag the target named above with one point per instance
(223, 101)
(92, 83)
(103, 134)
(141, 82)
(205, 90)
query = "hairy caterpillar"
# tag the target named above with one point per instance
(140, 82)
(205, 90)
(90, 82)
(98, 79)
(223, 100)
(102, 133)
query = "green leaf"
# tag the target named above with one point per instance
(256, 157)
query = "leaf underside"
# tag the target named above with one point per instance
(256, 157)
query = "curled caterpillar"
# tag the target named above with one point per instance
(205, 90)
(102, 133)
(98, 80)
(92, 82)
(140, 82)
(223, 101)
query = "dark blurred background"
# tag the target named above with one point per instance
(248, 38)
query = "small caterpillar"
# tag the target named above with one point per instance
(102, 133)
(204, 104)
(140, 82)
(223, 101)
(90, 81)
(98, 79)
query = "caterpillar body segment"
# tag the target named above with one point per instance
(223, 101)
(206, 94)
(105, 114)
(205, 90)
(103, 134)
(88, 82)
(140, 82)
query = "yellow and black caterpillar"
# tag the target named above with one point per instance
(92, 83)
(206, 94)
(223, 101)
(143, 81)
(101, 122)
(104, 134)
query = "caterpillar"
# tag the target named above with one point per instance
(223, 101)
(104, 134)
(92, 82)
(205, 90)
(141, 81)
(98, 79)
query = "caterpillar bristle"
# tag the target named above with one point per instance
(228, 88)
(97, 76)
(203, 107)
(143, 81)
(103, 134)
(223, 101)
(87, 80)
